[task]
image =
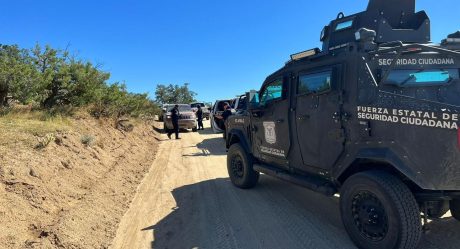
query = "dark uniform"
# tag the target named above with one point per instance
(175, 122)
(227, 113)
(199, 116)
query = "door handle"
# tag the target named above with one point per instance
(279, 121)
(303, 117)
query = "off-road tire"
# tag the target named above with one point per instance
(165, 128)
(244, 177)
(399, 225)
(455, 208)
(194, 129)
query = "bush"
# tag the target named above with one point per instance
(57, 82)
(87, 140)
(4, 111)
(43, 142)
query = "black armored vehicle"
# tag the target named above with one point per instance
(372, 116)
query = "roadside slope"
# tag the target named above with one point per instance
(73, 192)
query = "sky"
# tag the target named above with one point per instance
(221, 48)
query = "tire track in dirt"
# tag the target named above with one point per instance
(200, 208)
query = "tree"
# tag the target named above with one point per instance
(174, 94)
(51, 77)
(17, 75)
(54, 69)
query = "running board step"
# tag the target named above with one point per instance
(313, 183)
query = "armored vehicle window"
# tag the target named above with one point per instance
(344, 25)
(423, 77)
(314, 83)
(272, 91)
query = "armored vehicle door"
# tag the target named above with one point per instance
(318, 116)
(270, 123)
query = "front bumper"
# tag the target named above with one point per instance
(183, 124)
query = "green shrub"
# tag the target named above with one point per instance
(88, 140)
(44, 141)
(58, 83)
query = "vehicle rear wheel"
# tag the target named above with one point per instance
(380, 212)
(455, 208)
(239, 166)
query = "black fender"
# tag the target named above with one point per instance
(235, 134)
(386, 159)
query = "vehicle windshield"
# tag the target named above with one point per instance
(195, 105)
(182, 108)
(422, 77)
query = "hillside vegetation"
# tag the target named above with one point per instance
(53, 80)
(73, 149)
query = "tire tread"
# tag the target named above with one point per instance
(252, 177)
(405, 203)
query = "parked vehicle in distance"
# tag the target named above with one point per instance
(218, 125)
(203, 108)
(187, 118)
(372, 116)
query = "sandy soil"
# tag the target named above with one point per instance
(70, 195)
(187, 201)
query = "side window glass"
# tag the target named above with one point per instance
(272, 91)
(314, 83)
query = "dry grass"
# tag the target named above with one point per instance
(18, 125)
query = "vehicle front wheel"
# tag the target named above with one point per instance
(380, 212)
(194, 129)
(239, 166)
(455, 208)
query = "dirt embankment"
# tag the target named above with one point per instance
(70, 187)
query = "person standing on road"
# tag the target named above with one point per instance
(199, 116)
(175, 122)
(227, 113)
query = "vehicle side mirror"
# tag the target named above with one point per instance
(252, 100)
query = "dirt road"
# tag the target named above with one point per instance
(187, 201)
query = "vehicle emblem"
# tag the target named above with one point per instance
(270, 133)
